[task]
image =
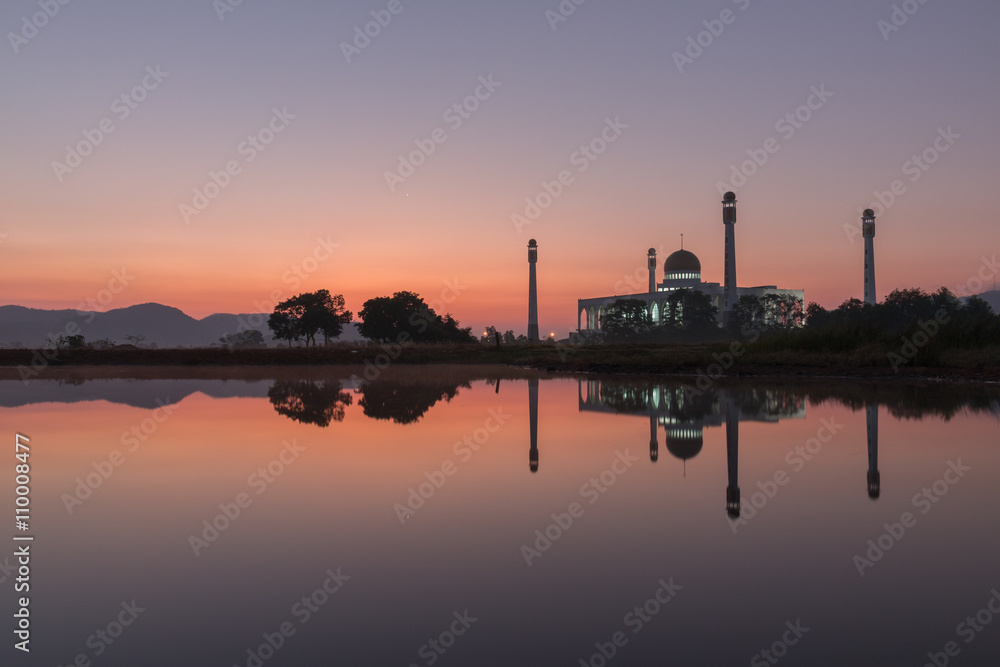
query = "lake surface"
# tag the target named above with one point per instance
(477, 516)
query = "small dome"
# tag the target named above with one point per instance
(532, 243)
(868, 213)
(729, 196)
(652, 251)
(682, 261)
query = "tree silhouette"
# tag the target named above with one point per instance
(405, 317)
(305, 315)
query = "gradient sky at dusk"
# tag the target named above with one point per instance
(324, 174)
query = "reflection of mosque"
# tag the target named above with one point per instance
(874, 479)
(684, 414)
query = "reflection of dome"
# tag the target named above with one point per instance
(684, 442)
(682, 262)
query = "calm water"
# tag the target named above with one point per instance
(463, 516)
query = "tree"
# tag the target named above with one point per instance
(250, 338)
(135, 339)
(508, 336)
(626, 319)
(405, 317)
(303, 316)
(690, 310)
(489, 335)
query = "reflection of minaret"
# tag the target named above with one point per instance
(651, 264)
(532, 291)
(874, 479)
(868, 229)
(533, 416)
(654, 447)
(732, 457)
(729, 220)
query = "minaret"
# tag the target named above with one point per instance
(651, 263)
(868, 229)
(532, 292)
(729, 220)
(874, 479)
(733, 457)
(533, 420)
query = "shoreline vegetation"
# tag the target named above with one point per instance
(775, 357)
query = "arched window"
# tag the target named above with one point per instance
(654, 313)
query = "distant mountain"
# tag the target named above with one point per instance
(993, 298)
(162, 325)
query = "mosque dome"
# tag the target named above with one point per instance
(682, 262)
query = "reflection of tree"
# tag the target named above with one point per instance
(309, 402)
(404, 402)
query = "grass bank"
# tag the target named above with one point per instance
(767, 357)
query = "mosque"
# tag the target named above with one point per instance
(682, 270)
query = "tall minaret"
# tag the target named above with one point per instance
(729, 220)
(868, 228)
(874, 478)
(533, 424)
(651, 263)
(532, 291)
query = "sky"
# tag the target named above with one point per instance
(217, 157)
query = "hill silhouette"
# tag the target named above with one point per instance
(162, 325)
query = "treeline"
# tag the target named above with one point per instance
(402, 317)
(689, 315)
(910, 325)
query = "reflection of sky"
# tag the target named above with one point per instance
(334, 507)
